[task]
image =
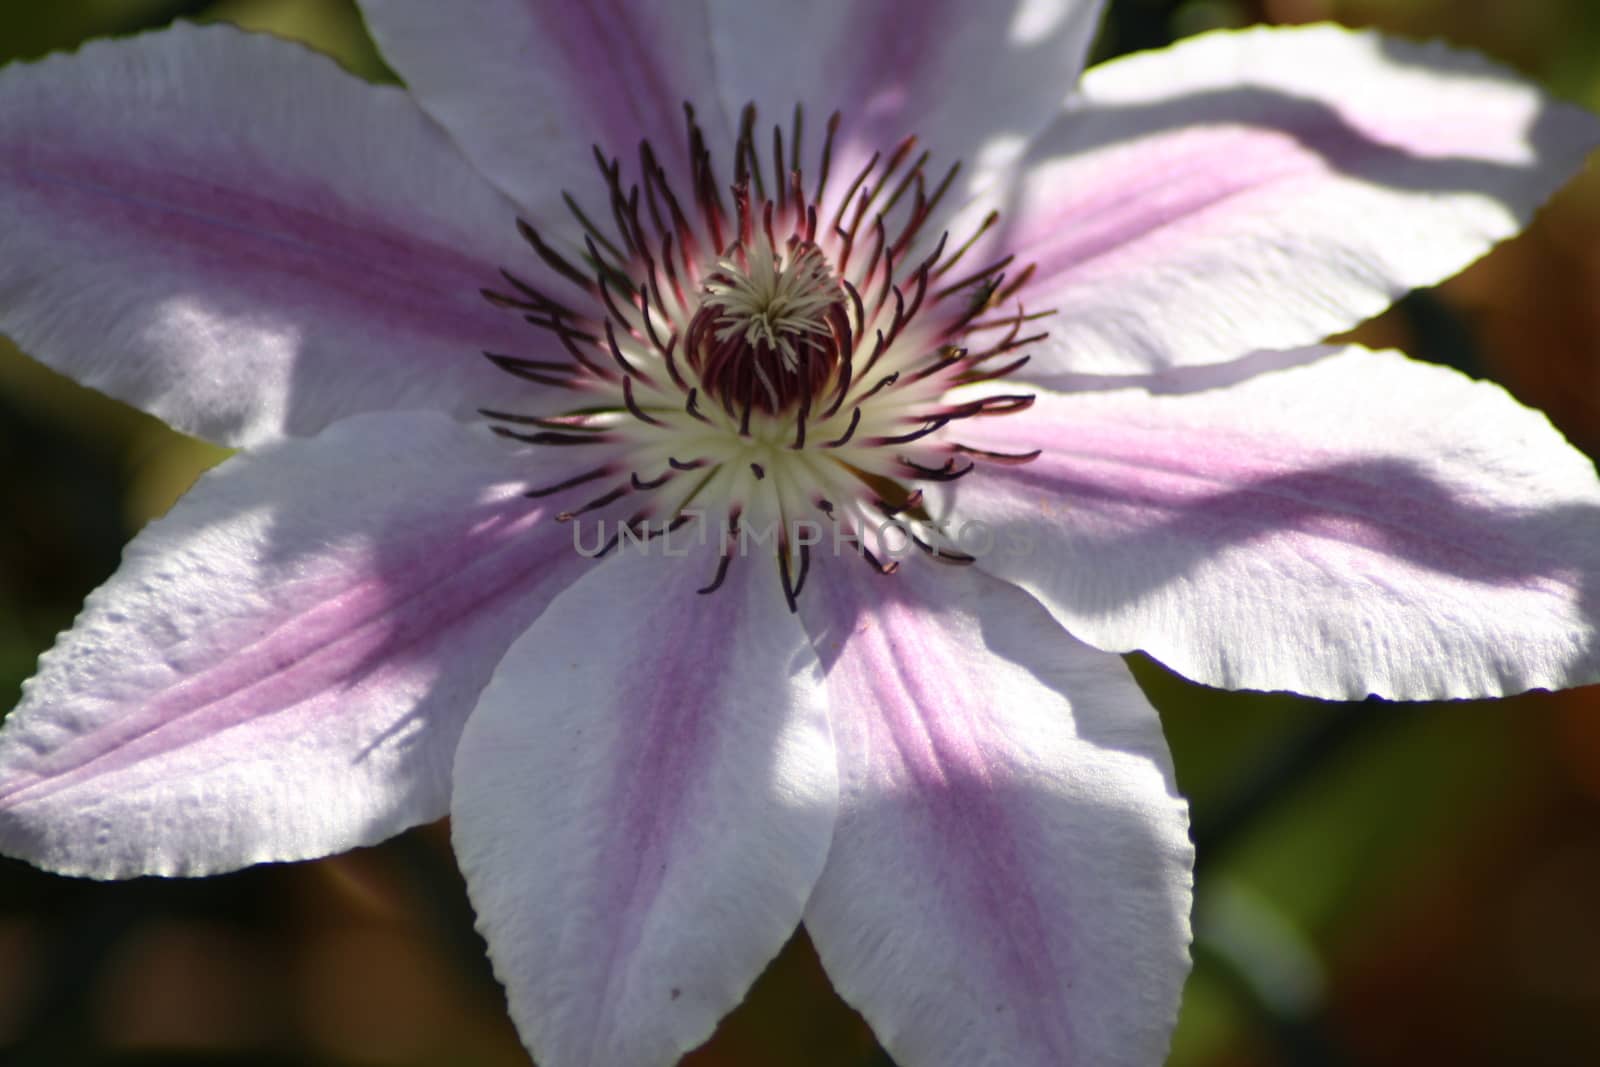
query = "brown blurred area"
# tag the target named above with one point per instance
(1379, 885)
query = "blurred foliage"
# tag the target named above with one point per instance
(1378, 884)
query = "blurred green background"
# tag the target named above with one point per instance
(1378, 884)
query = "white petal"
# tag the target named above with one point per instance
(235, 235)
(972, 81)
(281, 667)
(1264, 189)
(643, 801)
(527, 87)
(1361, 524)
(1009, 879)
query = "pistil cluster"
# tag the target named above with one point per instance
(772, 354)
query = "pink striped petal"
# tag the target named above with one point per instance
(1361, 524)
(1009, 877)
(973, 81)
(230, 232)
(526, 87)
(643, 801)
(1264, 189)
(281, 667)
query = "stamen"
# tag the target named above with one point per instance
(654, 483)
(1009, 458)
(792, 586)
(633, 405)
(575, 480)
(933, 425)
(827, 350)
(628, 369)
(947, 473)
(849, 431)
(553, 259)
(732, 531)
(596, 504)
(548, 437)
(556, 375)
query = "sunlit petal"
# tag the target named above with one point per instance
(1361, 524)
(281, 667)
(643, 801)
(1263, 189)
(1009, 878)
(529, 87)
(233, 234)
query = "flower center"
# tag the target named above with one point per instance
(766, 333)
(784, 365)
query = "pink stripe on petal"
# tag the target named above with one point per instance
(1262, 189)
(1009, 877)
(1361, 524)
(643, 801)
(971, 81)
(281, 667)
(928, 756)
(629, 92)
(528, 87)
(300, 256)
(232, 233)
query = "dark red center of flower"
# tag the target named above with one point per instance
(771, 331)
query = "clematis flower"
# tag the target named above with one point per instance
(859, 383)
